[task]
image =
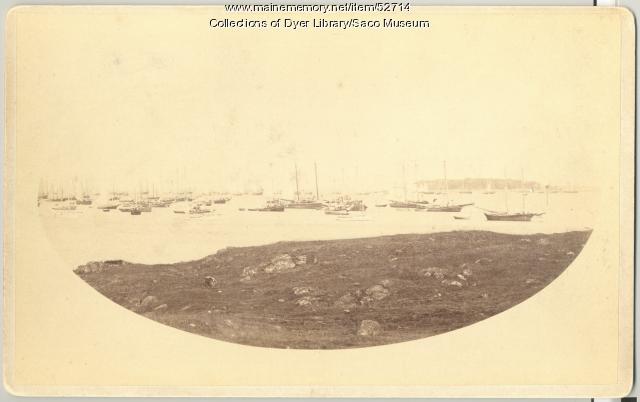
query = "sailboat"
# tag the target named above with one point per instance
(305, 204)
(464, 188)
(488, 190)
(448, 207)
(406, 204)
(523, 216)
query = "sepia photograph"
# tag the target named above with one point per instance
(323, 190)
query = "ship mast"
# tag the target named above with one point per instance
(506, 192)
(404, 183)
(297, 188)
(446, 183)
(315, 166)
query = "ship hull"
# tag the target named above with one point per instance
(305, 205)
(510, 217)
(448, 208)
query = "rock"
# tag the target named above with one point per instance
(302, 290)
(436, 272)
(543, 242)
(531, 280)
(281, 300)
(449, 282)
(301, 260)
(467, 272)
(485, 295)
(461, 277)
(347, 301)
(307, 301)
(571, 253)
(385, 282)
(160, 307)
(98, 266)
(210, 281)
(148, 301)
(369, 328)
(482, 260)
(280, 263)
(249, 271)
(377, 292)
(525, 240)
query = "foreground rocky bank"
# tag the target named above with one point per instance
(341, 293)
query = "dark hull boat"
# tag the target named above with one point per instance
(305, 205)
(447, 208)
(411, 205)
(275, 208)
(516, 217)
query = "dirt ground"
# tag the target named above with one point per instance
(341, 293)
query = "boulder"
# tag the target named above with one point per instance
(210, 281)
(307, 301)
(280, 263)
(302, 290)
(369, 328)
(449, 282)
(435, 272)
(148, 301)
(377, 292)
(346, 301)
(98, 266)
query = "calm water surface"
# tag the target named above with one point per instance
(162, 236)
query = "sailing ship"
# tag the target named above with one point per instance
(464, 189)
(69, 206)
(85, 200)
(406, 204)
(447, 207)
(198, 210)
(305, 203)
(488, 190)
(523, 216)
(272, 206)
(514, 217)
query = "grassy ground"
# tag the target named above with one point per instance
(317, 294)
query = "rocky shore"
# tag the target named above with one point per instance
(341, 293)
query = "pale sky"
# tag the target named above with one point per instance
(165, 97)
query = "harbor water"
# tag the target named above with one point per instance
(162, 236)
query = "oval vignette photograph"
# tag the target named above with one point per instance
(195, 193)
(332, 294)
